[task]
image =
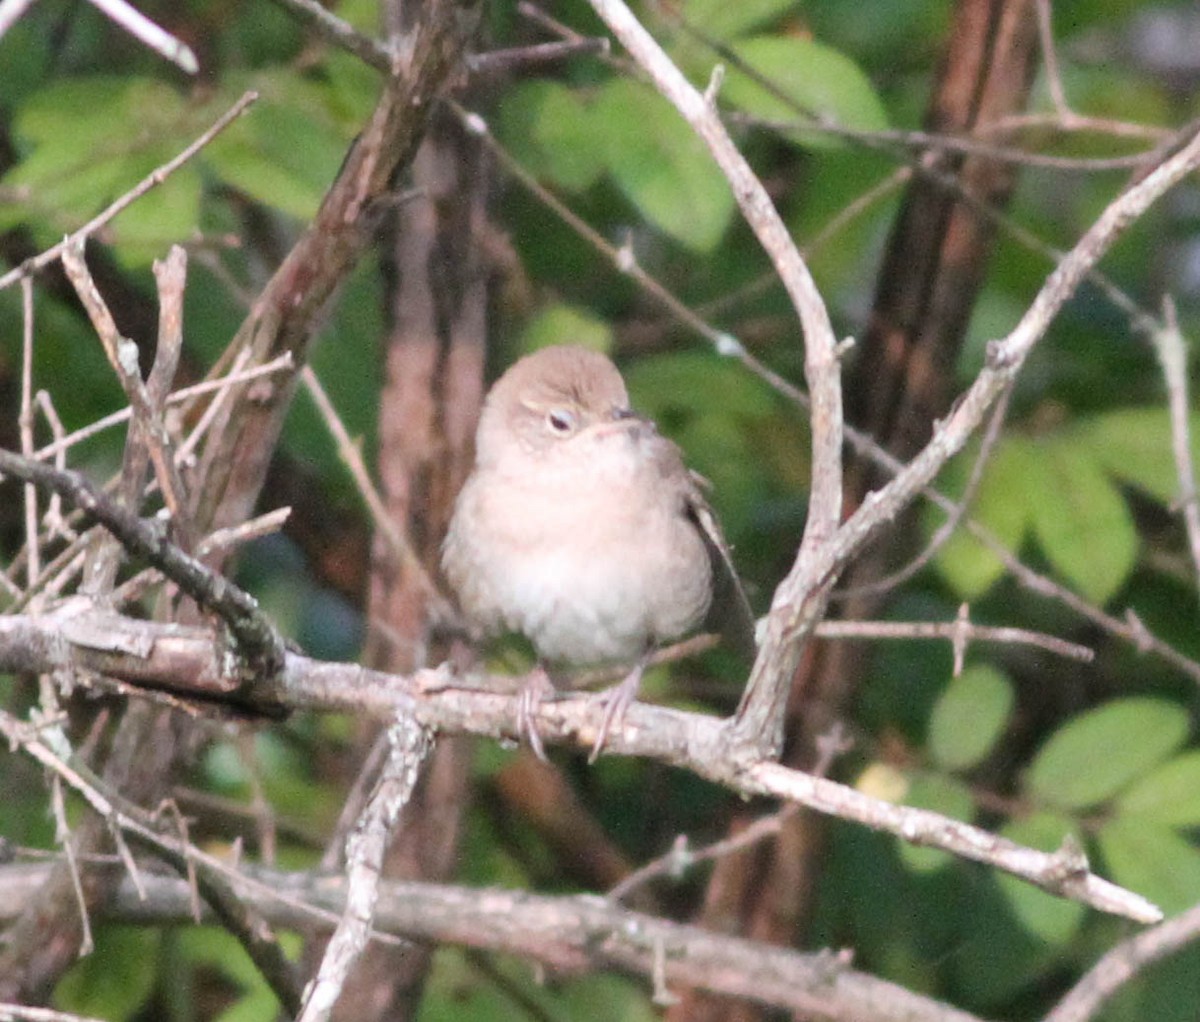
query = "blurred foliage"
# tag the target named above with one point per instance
(1081, 484)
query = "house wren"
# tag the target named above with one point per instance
(581, 528)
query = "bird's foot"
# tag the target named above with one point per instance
(537, 689)
(616, 701)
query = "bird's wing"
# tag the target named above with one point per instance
(730, 613)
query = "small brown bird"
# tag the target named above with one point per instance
(581, 528)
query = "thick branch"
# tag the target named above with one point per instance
(478, 705)
(568, 933)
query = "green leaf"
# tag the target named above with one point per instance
(807, 80)
(565, 324)
(1000, 504)
(287, 149)
(547, 127)
(1134, 444)
(1152, 860)
(1097, 753)
(661, 166)
(115, 979)
(164, 215)
(210, 947)
(970, 717)
(89, 139)
(1055, 920)
(941, 795)
(1169, 794)
(696, 381)
(1081, 519)
(720, 19)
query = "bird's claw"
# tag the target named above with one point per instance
(616, 702)
(534, 692)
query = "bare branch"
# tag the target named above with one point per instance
(181, 660)
(254, 633)
(1121, 963)
(351, 457)
(571, 933)
(122, 355)
(25, 424)
(24, 1013)
(800, 599)
(213, 876)
(10, 13)
(409, 745)
(284, 363)
(1172, 356)
(960, 631)
(1004, 361)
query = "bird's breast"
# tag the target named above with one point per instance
(593, 561)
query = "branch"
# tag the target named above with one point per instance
(569, 933)
(1172, 356)
(409, 746)
(123, 357)
(256, 636)
(148, 33)
(184, 661)
(212, 876)
(1121, 963)
(799, 601)
(881, 507)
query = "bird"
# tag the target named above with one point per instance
(581, 528)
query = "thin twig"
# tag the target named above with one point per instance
(927, 141)
(24, 1013)
(256, 636)
(681, 857)
(283, 363)
(947, 529)
(1005, 357)
(220, 541)
(1058, 95)
(955, 631)
(350, 454)
(25, 423)
(341, 33)
(62, 835)
(1076, 124)
(1121, 963)
(123, 357)
(11, 12)
(151, 180)
(1172, 356)
(55, 523)
(221, 884)
(500, 61)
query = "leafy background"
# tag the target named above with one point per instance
(1081, 484)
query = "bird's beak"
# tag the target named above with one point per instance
(623, 421)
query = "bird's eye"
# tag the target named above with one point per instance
(561, 421)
